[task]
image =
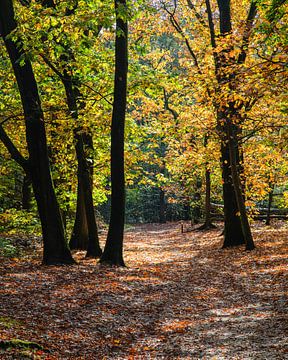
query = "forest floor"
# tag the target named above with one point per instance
(180, 297)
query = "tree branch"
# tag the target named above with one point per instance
(167, 107)
(178, 28)
(196, 13)
(247, 32)
(13, 151)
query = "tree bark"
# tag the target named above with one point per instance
(55, 247)
(79, 237)
(85, 222)
(26, 193)
(85, 234)
(207, 223)
(113, 252)
(270, 199)
(233, 235)
(235, 227)
(232, 144)
(162, 217)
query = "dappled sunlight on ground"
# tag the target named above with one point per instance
(181, 297)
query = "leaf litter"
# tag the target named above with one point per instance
(180, 297)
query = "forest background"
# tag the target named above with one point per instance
(192, 66)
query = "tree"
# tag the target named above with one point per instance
(229, 124)
(37, 166)
(85, 233)
(113, 252)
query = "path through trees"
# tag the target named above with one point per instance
(180, 297)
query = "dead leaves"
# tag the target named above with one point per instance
(181, 297)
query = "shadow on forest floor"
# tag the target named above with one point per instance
(181, 297)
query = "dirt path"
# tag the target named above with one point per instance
(180, 297)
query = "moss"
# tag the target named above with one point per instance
(8, 322)
(19, 344)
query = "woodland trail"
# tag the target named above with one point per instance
(180, 297)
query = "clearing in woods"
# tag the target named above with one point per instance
(180, 297)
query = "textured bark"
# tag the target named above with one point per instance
(235, 226)
(79, 237)
(85, 234)
(113, 252)
(232, 144)
(55, 247)
(233, 235)
(85, 221)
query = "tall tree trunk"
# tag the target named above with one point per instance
(55, 247)
(233, 235)
(85, 234)
(196, 207)
(162, 217)
(232, 144)
(113, 252)
(26, 193)
(85, 173)
(270, 199)
(79, 237)
(85, 210)
(207, 223)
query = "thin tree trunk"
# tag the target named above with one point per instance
(55, 247)
(162, 217)
(232, 142)
(93, 248)
(113, 252)
(84, 175)
(196, 208)
(207, 223)
(270, 199)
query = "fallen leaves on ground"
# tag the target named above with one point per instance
(180, 297)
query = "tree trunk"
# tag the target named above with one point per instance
(113, 252)
(232, 144)
(85, 222)
(270, 199)
(84, 235)
(84, 173)
(196, 207)
(233, 235)
(162, 217)
(26, 193)
(79, 237)
(207, 223)
(55, 247)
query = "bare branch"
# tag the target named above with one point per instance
(9, 118)
(52, 66)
